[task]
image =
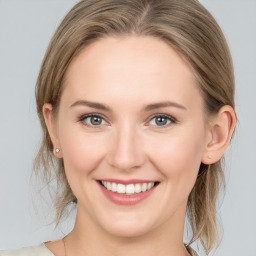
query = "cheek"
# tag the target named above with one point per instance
(82, 152)
(178, 156)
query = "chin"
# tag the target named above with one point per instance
(128, 227)
(128, 231)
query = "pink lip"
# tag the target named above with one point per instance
(126, 182)
(123, 199)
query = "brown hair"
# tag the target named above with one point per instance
(187, 27)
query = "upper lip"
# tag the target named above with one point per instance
(130, 181)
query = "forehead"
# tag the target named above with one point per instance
(127, 68)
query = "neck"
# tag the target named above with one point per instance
(89, 239)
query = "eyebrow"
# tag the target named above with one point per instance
(91, 105)
(149, 107)
(163, 105)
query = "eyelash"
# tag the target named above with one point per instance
(168, 117)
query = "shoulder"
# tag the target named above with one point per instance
(37, 250)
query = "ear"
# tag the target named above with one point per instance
(221, 129)
(52, 128)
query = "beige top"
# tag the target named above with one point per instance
(37, 250)
(42, 250)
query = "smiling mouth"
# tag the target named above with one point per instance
(129, 189)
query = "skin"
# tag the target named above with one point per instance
(127, 74)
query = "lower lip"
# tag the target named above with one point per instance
(123, 199)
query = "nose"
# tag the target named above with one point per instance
(126, 149)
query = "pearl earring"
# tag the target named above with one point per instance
(57, 150)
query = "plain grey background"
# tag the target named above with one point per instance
(26, 27)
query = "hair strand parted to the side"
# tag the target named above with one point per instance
(189, 29)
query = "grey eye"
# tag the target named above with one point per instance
(94, 120)
(160, 121)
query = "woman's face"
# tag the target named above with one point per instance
(130, 117)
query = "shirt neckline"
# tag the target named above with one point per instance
(46, 248)
(189, 249)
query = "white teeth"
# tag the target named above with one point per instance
(120, 188)
(144, 187)
(109, 186)
(137, 188)
(150, 185)
(127, 189)
(114, 187)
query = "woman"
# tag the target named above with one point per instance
(136, 100)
